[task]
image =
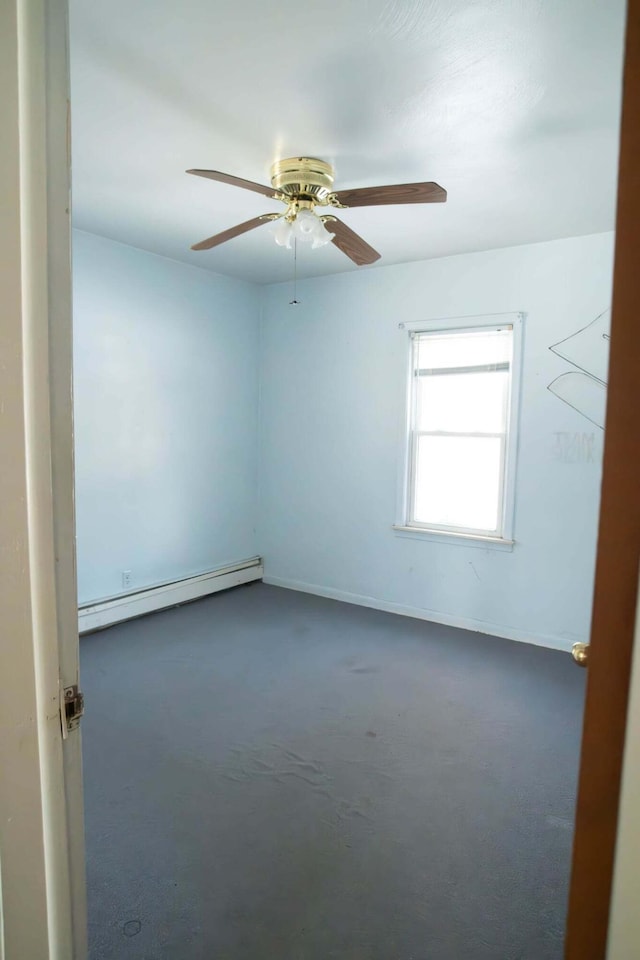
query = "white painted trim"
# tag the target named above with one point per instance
(452, 537)
(58, 221)
(104, 613)
(433, 616)
(470, 321)
(37, 889)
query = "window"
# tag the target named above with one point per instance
(459, 443)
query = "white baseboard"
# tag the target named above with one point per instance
(420, 613)
(104, 613)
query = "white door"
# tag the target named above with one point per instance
(42, 893)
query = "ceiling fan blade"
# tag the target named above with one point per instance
(234, 181)
(232, 232)
(396, 193)
(350, 243)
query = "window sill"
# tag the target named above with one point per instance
(458, 539)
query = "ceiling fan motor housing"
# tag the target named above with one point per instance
(303, 178)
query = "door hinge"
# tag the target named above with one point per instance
(72, 709)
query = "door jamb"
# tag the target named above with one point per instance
(38, 890)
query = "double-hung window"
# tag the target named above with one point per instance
(461, 422)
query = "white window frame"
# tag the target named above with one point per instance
(503, 537)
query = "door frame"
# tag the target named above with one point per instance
(42, 900)
(617, 562)
(60, 326)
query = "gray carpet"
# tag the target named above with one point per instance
(275, 776)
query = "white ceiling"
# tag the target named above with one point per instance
(511, 105)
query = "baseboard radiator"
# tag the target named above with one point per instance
(104, 613)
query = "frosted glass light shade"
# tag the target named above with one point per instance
(309, 228)
(322, 237)
(304, 226)
(283, 233)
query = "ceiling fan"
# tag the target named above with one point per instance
(303, 184)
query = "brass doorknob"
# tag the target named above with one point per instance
(580, 653)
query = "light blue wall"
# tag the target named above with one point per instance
(333, 387)
(166, 413)
(166, 382)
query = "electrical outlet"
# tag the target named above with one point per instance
(127, 579)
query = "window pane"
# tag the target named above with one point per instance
(457, 482)
(463, 349)
(466, 403)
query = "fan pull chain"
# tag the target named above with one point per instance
(295, 273)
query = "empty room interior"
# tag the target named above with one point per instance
(341, 291)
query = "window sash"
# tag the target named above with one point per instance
(422, 525)
(478, 368)
(415, 434)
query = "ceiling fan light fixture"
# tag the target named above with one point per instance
(322, 237)
(309, 228)
(283, 233)
(305, 226)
